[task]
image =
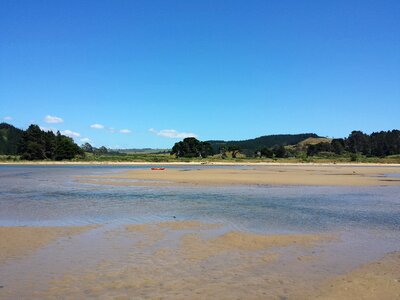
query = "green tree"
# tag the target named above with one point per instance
(191, 147)
(49, 144)
(100, 151)
(32, 144)
(222, 151)
(358, 142)
(266, 152)
(279, 151)
(317, 148)
(10, 138)
(87, 147)
(338, 146)
(235, 150)
(66, 148)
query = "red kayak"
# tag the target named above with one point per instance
(157, 169)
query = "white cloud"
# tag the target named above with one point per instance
(52, 119)
(85, 140)
(7, 118)
(126, 131)
(97, 126)
(111, 129)
(70, 133)
(172, 133)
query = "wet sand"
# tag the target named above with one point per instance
(191, 260)
(376, 280)
(20, 241)
(325, 175)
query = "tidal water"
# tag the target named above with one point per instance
(44, 196)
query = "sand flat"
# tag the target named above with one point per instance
(331, 175)
(231, 265)
(227, 266)
(20, 241)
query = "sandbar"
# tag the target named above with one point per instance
(319, 175)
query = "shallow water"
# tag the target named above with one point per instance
(366, 220)
(52, 196)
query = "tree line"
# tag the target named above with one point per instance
(36, 144)
(379, 144)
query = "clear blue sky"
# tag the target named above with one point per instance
(217, 69)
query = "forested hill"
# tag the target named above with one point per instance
(266, 141)
(10, 137)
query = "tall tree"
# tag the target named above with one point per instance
(32, 144)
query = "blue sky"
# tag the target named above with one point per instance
(150, 72)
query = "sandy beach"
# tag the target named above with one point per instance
(327, 175)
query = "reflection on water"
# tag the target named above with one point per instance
(52, 196)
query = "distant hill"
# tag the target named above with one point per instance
(10, 137)
(251, 145)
